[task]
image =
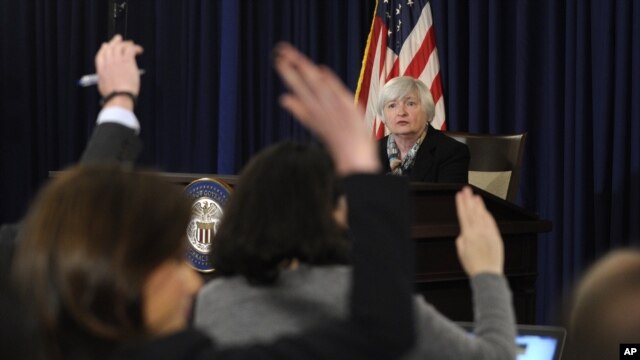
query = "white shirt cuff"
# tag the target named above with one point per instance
(119, 115)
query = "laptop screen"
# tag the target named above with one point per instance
(535, 341)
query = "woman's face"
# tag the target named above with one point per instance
(168, 295)
(405, 116)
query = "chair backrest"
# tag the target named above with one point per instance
(495, 161)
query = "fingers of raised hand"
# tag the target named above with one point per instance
(460, 245)
(296, 107)
(293, 68)
(99, 59)
(475, 221)
(313, 83)
(306, 82)
(464, 208)
(318, 97)
(118, 49)
(334, 88)
(320, 100)
(116, 39)
(130, 50)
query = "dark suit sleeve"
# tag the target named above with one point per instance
(381, 319)
(112, 142)
(379, 219)
(454, 165)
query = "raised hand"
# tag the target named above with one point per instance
(479, 245)
(322, 103)
(118, 71)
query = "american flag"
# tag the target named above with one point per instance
(401, 42)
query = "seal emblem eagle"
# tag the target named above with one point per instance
(209, 197)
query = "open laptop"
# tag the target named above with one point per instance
(535, 342)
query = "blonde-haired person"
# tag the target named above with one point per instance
(415, 148)
(605, 311)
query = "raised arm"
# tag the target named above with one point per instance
(479, 244)
(381, 318)
(115, 137)
(381, 311)
(321, 102)
(481, 253)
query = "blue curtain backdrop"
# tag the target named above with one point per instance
(568, 72)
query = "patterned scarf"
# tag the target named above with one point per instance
(399, 167)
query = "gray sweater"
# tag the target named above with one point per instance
(234, 313)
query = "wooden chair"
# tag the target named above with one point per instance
(495, 161)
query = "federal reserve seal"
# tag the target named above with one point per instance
(209, 197)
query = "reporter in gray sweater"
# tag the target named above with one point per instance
(289, 271)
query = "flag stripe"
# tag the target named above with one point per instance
(430, 71)
(414, 44)
(436, 88)
(395, 68)
(418, 63)
(374, 83)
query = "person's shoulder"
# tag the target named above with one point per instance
(225, 291)
(313, 280)
(328, 269)
(336, 275)
(222, 291)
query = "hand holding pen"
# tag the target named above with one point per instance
(117, 72)
(92, 79)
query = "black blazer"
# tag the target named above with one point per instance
(440, 159)
(112, 142)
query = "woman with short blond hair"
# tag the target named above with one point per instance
(413, 147)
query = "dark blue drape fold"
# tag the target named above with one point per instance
(567, 72)
(228, 88)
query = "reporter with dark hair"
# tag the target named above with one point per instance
(293, 196)
(101, 261)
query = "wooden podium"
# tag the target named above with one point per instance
(439, 276)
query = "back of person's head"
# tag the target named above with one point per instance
(281, 210)
(606, 307)
(89, 244)
(400, 87)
